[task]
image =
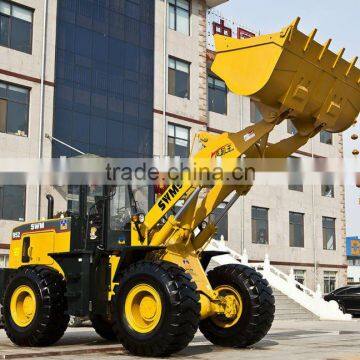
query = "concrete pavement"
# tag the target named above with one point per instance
(310, 340)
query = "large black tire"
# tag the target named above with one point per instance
(103, 327)
(50, 321)
(180, 305)
(258, 305)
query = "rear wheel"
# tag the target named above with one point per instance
(34, 307)
(252, 311)
(157, 309)
(103, 327)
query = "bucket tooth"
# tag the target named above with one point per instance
(289, 30)
(310, 39)
(325, 48)
(296, 22)
(294, 27)
(352, 65)
(339, 56)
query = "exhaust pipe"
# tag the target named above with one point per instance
(50, 200)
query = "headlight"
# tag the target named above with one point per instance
(141, 218)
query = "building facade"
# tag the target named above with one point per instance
(131, 78)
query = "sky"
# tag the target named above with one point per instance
(338, 20)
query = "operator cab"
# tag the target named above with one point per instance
(102, 216)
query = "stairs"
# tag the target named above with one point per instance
(287, 309)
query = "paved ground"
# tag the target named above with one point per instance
(309, 340)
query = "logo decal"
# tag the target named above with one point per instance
(225, 149)
(249, 135)
(63, 224)
(38, 226)
(168, 196)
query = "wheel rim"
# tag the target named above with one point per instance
(23, 306)
(143, 308)
(233, 308)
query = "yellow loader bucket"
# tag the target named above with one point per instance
(289, 70)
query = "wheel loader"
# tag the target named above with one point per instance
(142, 278)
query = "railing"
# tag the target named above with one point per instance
(285, 283)
(289, 278)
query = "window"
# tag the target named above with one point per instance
(354, 261)
(329, 239)
(255, 113)
(327, 190)
(179, 78)
(12, 202)
(295, 179)
(14, 109)
(72, 198)
(353, 291)
(296, 228)
(260, 225)
(329, 281)
(350, 280)
(178, 141)
(294, 187)
(179, 16)
(291, 129)
(16, 27)
(299, 276)
(119, 209)
(222, 226)
(4, 260)
(326, 137)
(217, 95)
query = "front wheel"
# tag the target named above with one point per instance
(253, 307)
(156, 308)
